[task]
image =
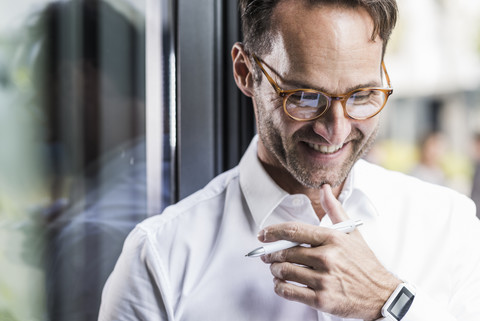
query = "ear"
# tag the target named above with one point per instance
(242, 69)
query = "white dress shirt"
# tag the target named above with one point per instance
(189, 262)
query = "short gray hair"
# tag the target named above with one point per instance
(256, 16)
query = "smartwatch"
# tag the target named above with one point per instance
(399, 302)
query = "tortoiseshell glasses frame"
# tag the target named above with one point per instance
(305, 104)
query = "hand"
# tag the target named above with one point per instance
(340, 273)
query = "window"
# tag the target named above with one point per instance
(108, 110)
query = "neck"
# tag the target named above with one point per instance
(292, 186)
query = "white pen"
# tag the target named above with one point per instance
(345, 227)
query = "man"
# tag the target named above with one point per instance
(416, 256)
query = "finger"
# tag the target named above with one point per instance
(298, 274)
(305, 256)
(331, 205)
(294, 292)
(296, 232)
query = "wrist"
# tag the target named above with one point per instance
(399, 302)
(385, 292)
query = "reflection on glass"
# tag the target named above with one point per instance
(73, 171)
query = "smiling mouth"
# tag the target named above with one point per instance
(325, 149)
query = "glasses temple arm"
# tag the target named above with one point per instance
(270, 80)
(386, 74)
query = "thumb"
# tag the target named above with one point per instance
(331, 205)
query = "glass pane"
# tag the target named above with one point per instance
(73, 161)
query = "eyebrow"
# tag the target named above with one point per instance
(299, 85)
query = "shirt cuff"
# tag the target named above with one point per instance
(424, 308)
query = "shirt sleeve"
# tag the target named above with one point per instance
(464, 278)
(423, 308)
(137, 288)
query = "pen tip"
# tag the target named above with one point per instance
(257, 252)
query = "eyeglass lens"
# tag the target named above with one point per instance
(361, 104)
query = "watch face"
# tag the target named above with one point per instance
(401, 304)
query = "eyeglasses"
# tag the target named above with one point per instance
(309, 104)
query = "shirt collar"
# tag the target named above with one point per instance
(263, 195)
(361, 190)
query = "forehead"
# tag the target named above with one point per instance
(324, 40)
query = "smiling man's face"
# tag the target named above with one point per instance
(329, 49)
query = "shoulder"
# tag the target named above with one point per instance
(393, 189)
(184, 232)
(202, 207)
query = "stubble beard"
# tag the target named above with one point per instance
(316, 175)
(285, 151)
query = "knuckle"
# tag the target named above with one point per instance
(318, 283)
(329, 257)
(321, 300)
(325, 236)
(267, 258)
(281, 270)
(282, 256)
(291, 231)
(334, 237)
(283, 291)
(318, 236)
(325, 302)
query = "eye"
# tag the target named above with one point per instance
(366, 97)
(305, 99)
(362, 96)
(305, 104)
(365, 103)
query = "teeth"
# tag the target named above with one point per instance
(325, 149)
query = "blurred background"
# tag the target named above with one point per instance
(430, 125)
(108, 108)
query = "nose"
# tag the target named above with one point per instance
(335, 125)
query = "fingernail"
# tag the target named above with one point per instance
(261, 236)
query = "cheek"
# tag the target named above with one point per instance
(368, 127)
(266, 96)
(269, 110)
(284, 125)
(271, 117)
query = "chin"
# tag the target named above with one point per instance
(306, 180)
